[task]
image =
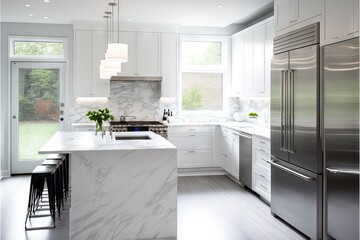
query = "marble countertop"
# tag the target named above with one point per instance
(70, 142)
(237, 126)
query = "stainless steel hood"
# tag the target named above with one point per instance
(137, 78)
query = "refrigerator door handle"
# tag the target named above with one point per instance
(292, 112)
(302, 176)
(282, 111)
(342, 171)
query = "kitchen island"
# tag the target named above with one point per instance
(120, 189)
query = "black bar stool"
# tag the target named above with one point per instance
(65, 159)
(38, 177)
(59, 176)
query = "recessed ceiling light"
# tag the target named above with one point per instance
(47, 1)
(45, 17)
(128, 19)
(27, 5)
(219, 6)
(30, 14)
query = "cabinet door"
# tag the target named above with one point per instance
(169, 63)
(285, 13)
(237, 74)
(259, 61)
(83, 63)
(338, 20)
(269, 50)
(100, 87)
(248, 64)
(309, 9)
(148, 54)
(128, 68)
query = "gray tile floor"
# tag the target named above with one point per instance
(209, 208)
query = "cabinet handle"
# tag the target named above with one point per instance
(262, 142)
(261, 150)
(192, 135)
(191, 151)
(335, 37)
(264, 186)
(191, 129)
(350, 33)
(262, 176)
(225, 155)
(293, 21)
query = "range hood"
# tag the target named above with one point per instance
(137, 78)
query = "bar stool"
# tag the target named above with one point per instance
(38, 177)
(59, 176)
(65, 159)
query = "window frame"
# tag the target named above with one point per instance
(15, 57)
(223, 68)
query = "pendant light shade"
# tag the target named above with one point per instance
(117, 52)
(109, 68)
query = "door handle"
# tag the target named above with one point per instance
(302, 176)
(14, 117)
(342, 171)
(282, 109)
(292, 112)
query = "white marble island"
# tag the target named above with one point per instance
(120, 189)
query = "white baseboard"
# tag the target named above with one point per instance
(5, 173)
(186, 172)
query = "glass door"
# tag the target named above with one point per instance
(37, 111)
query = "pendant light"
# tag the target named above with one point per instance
(117, 51)
(108, 68)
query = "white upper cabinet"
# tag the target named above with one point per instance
(148, 54)
(89, 49)
(259, 61)
(128, 68)
(286, 13)
(237, 64)
(291, 12)
(340, 20)
(169, 64)
(248, 85)
(252, 50)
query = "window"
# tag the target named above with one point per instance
(38, 48)
(203, 73)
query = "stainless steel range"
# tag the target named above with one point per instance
(137, 126)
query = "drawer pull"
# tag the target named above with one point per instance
(191, 151)
(350, 33)
(262, 176)
(192, 135)
(262, 142)
(264, 186)
(192, 129)
(335, 37)
(293, 21)
(262, 150)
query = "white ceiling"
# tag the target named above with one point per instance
(184, 12)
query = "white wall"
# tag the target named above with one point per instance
(23, 29)
(1, 125)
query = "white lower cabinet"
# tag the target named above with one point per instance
(261, 167)
(194, 145)
(230, 152)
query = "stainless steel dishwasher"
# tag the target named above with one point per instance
(245, 159)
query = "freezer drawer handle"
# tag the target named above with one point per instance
(302, 176)
(339, 171)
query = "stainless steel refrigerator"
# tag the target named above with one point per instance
(296, 156)
(341, 135)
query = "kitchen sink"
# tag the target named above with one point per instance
(144, 137)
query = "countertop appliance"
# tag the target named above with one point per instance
(136, 126)
(296, 156)
(245, 172)
(341, 136)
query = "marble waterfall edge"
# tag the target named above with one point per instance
(128, 194)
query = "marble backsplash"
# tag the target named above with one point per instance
(143, 100)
